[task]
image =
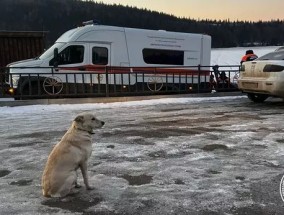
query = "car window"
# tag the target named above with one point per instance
(278, 55)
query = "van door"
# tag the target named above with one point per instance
(72, 56)
(71, 62)
(100, 57)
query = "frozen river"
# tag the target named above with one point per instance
(170, 156)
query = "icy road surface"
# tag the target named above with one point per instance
(169, 156)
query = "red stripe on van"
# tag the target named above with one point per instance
(126, 70)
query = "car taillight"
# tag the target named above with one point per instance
(273, 68)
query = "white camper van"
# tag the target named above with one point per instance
(99, 49)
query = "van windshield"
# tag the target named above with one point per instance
(49, 52)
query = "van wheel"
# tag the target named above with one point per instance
(257, 97)
(29, 91)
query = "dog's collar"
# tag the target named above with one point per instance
(90, 132)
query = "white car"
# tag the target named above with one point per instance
(263, 77)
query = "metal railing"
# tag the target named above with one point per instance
(63, 82)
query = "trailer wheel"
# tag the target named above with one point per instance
(155, 83)
(52, 85)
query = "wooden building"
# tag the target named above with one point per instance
(20, 45)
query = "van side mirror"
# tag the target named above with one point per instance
(56, 57)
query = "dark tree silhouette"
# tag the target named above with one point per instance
(58, 16)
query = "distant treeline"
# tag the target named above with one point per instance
(58, 16)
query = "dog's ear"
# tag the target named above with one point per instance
(79, 119)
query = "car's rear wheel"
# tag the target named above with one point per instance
(257, 97)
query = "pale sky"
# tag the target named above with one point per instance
(249, 10)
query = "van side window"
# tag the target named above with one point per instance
(70, 55)
(100, 56)
(160, 56)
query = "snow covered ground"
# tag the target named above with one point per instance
(221, 155)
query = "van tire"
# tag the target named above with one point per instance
(30, 88)
(258, 98)
(25, 91)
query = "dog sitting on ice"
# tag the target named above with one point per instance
(71, 153)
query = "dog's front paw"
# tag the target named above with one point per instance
(89, 188)
(77, 185)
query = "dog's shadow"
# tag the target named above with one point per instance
(76, 202)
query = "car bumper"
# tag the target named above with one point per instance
(264, 86)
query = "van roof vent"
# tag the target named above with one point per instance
(92, 22)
